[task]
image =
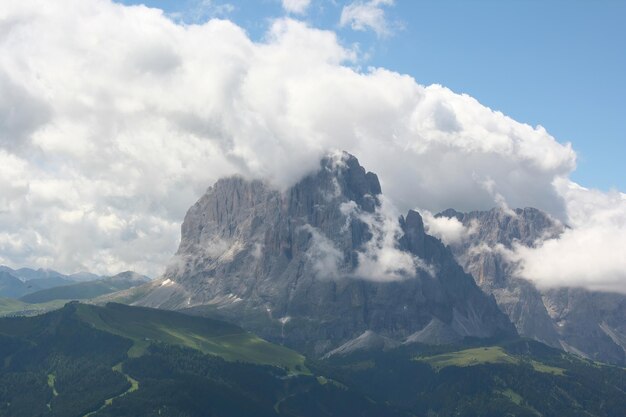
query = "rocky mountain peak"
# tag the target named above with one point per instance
(483, 255)
(414, 238)
(500, 226)
(320, 263)
(587, 323)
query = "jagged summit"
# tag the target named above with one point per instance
(587, 323)
(320, 263)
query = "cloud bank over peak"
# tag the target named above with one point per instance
(591, 253)
(115, 119)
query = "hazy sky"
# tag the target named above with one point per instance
(114, 119)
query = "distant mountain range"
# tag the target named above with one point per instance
(28, 291)
(15, 283)
(88, 289)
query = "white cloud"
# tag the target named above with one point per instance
(296, 6)
(323, 254)
(198, 11)
(381, 259)
(591, 253)
(367, 15)
(115, 119)
(490, 185)
(448, 229)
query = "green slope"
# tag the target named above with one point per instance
(74, 362)
(12, 307)
(145, 325)
(482, 356)
(117, 360)
(10, 304)
(515, 378)
(79, 291)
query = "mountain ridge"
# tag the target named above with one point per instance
(319, 264)
(587, 323)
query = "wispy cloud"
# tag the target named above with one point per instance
(199, 11)
(367, 15)
(296, 6)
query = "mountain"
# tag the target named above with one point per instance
(28, 274)
(118, 360)
(48, 278)
(11, 307)
(319, 264)
(35, 280)
(591, 324)
(88, 289)
(84, 276)
(514, 378)
(368, 341)
(11, 286)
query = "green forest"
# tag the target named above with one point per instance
(116, 360)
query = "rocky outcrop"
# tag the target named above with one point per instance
(435, 333)
(483, 254)
(590, 324)
(368, 341)
(587, 323)
(319, 264)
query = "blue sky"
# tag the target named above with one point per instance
(560, 64)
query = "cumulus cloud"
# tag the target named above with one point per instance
(367, 15)
(448, 229)
(115, 119)
(296, 6)
(591, 253)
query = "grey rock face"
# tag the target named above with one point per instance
(482, 255)
(587, 323)
(591, 324)
(319, 264)
(435, 333)
(368, 341)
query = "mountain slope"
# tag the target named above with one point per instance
(15, 283)
(591, 324)
(118, 360)
(145, 325)
(319, 264)
(75, 362)
(11, 286)
(516, 378)
(89, 289)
